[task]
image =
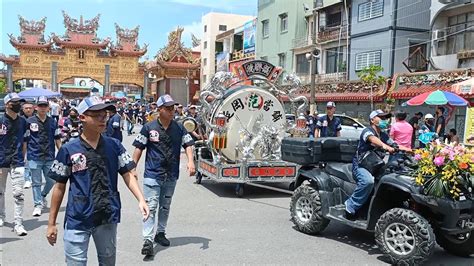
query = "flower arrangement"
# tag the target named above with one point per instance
(445, 171)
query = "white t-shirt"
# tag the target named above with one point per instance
(54, 109)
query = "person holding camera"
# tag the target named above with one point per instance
(162, 138)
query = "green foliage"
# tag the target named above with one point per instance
(3, 86)
(370, 75)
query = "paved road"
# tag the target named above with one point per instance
(209, 225)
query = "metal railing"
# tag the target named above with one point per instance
(332, 33)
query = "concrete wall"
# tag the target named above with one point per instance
(212, 21)
(280, 42)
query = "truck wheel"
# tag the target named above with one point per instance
(305, 210)
(405, 237)
(460, 245)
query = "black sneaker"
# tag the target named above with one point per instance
(147, 249)
(350, 216)
(161, 239)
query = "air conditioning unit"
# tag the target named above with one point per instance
(439, 35)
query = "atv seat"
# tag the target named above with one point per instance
(340, 170)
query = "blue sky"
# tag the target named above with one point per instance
(155, 17)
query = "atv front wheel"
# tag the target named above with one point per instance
(405, 237)
(460, 245)
(305, 209)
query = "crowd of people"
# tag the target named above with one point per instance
(38, 150)
(80, 142)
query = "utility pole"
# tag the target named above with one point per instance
(313, 66)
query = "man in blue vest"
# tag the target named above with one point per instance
(162, 138)
(43, 135)
(12, 159)
(91, 164)
(328, 125)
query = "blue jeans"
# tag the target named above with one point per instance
(76, 244)
(38, 169)
(130, 126)
(158, 197)
(27, 173)
(365, 184)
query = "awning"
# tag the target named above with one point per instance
(464, 88)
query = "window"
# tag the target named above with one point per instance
(366, 59)
(222, 27)
(205, 45)
(265, 28)
(81, 54)
(205, 28)
(334, 60)
(460, 33)
(370, 9)
(204, 79)
(284, 22)
(302, 64)
(333, 20)
(282, 60)
(204, 61)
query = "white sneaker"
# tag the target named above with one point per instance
(45, 202)
(1, 222)
(20, 230)
(37, 211)
(27, 184)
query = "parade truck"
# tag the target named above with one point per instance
(242, 121)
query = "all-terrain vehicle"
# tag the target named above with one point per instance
(406, 223)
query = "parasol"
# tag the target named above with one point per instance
(37, 92)
(437, 98)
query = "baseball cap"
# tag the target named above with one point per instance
(330, 105)
(12, 97)
(165, 100)
(419, 113)
(92, 103)
(192, 106)
(42, 100)
(429, 116)
(380, 114)
(180, 106)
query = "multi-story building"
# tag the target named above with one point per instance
(235, 47)
(452, 27)
(393, 34)
(283, 26)
(214, 24)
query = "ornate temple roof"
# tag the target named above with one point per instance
(32, 35)
(349, 91)
(175, 55)
(81, 33)
(408, 85)
(127, 42)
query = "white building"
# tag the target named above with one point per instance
(214, 24)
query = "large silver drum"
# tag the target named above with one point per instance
(247, 109)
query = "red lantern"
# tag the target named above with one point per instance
(221, 120)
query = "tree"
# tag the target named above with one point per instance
(370, 76)
(3, 86)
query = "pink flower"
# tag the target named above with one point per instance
(417, 157)
(438, 160)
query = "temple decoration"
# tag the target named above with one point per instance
(178, 64)
(196, 41)
(77, 53)
(127, 42)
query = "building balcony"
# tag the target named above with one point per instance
(330, 34)
(323, 78)
(303, 42)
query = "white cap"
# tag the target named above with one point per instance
(330, 105)
(92, 103)
(429, 116)
(380, 114)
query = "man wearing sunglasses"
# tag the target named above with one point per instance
(43, 135)
(162, 138)
(91, 164)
